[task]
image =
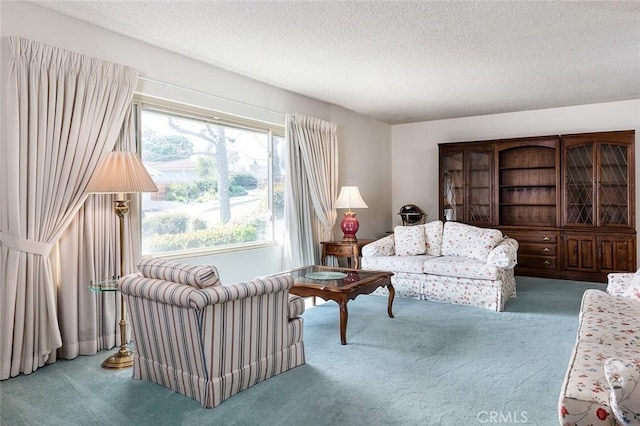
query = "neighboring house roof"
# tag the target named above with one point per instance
(184, 164)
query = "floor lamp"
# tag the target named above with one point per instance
(121, 172)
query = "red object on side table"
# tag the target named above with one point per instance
(349, 226)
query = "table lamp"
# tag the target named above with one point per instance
(121, 172)
(349, 198)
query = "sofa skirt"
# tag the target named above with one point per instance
(488, 294)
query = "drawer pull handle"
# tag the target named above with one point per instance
(546, 249)
(546, 262)
(546, 239)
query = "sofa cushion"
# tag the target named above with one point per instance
(199, 276)
(609, 329)
(450, 266)
(462, 240)
(410, 240)
(599, 301)
(411, 264)
(433, 237)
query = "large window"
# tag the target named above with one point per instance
(221, 183)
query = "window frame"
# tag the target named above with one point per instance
(209, 116)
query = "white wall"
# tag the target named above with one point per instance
(364, 142)
(392, 166)
(415, 146)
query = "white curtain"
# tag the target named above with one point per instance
(61, 112)
(89, 250)
(311, 188)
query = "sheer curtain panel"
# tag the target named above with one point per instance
(311, 187)
(61, 112)
(89, 250)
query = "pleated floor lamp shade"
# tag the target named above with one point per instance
(121, 172)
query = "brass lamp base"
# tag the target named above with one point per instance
(121, 359)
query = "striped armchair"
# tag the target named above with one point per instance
(206, 340)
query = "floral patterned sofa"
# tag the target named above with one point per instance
(451, 262)
(602, 382)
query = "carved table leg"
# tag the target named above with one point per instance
(344, 316)
(392, 294)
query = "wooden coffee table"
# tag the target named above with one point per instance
(350, 284)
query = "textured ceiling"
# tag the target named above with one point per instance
(401, 61)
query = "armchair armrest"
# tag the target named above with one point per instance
(623, 377)
(504, 254)
(183, 295)
(246, 289)
(385, 246)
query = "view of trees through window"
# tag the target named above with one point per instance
(219, 185)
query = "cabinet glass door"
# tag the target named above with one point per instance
(479, 179)
(453, 186)
(579, 195)
(466, 185)
(613, 185)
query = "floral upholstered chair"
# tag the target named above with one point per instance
(208, 340)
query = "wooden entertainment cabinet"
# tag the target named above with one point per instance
(569, 200)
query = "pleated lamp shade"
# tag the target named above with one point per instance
(121, 172)
(349, 198)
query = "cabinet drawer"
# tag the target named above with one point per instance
(333, 250)
(534, 237)
(538, 262)
(537, 249)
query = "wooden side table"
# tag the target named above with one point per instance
(348, 249)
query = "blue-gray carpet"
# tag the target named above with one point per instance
(434, 364)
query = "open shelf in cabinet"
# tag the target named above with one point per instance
(527, 185)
